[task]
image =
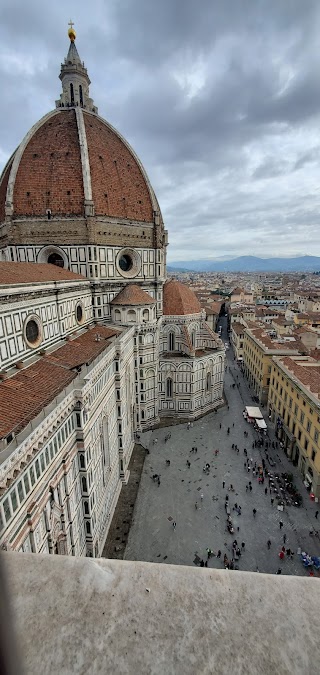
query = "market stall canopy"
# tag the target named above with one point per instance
(261, 424)
(254, 412)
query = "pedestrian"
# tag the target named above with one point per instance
(316, 514)
(272, 500)
(201, 563)
(233, 424)
(174, 524)
(219, 554)
(201, 496)
(279, 571)
(280, 524)
(220, 425)
(247, 488)
(196, 505)
(228, 430)
(158, 481)
(269, 544)
(243, 546)
(265, 491)
(284, 538)
(254, 511)
(223, 484)
(188, 464)
(206, 563)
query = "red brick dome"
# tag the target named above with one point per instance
(179, 299)
(72, 157)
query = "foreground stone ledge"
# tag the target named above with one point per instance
(79, 615)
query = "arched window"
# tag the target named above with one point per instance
(193, 338)
(82, 462)
(88, 528)
(208, 381)
(86, 508)
(145, 315)
(172, 342)
(80, 94)
(131, 315)
(169, 387)
(84, 484)
(71, 94)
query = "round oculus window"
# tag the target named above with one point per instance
(128, 263)
(125, 263)
(79, 313)
(32, 331)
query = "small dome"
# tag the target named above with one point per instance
(133, 295)
(179, 299)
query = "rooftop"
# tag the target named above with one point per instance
(275, 345)
(136, 617)
(24, 395)
(26, 272)
(306, 371)
(179, 299)
(132, 294)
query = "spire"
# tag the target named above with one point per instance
(75, 79)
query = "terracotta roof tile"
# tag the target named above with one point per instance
(25, 273)
(23, 396)
(179, 299)
(307, 372)
(133, 295)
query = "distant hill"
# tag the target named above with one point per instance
(249, 263)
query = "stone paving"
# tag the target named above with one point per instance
(152, 537)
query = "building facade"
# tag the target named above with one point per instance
(258, 350)
(294, 408)
(95, 343)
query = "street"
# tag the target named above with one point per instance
(152, 536)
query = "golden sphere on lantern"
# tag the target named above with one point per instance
(71, 32)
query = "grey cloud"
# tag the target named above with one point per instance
(215, 97)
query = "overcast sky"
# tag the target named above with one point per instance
(219, 98)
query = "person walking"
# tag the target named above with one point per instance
(284, 538)
(269, 544)
(174, 524)
(266, 491)
(279, 571)
(220, 425)
(223, 483)
(272, 500)
(316, 514)
(280, 524)
(201, 496)
(254, 511)
(243, 546)
(219, 554)
(196, 505)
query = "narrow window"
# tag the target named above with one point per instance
(169, 387)
(208, 381)
(80, 94)
(71, 94)
(171, 342)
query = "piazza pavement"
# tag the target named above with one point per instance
(152, 537)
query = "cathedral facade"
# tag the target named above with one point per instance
(95, 343)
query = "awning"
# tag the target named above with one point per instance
(254, 412)
(261, 424)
